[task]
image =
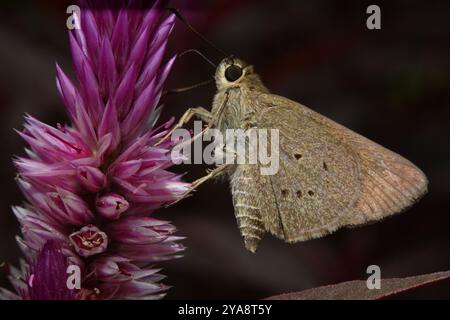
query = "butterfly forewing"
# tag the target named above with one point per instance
(330, 176)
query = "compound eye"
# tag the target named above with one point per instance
(233, 73)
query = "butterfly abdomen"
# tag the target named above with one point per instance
(246, 209)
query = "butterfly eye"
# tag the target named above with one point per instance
(233, 73)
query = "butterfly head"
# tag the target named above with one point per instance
(232, 72)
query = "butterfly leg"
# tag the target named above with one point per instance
(211, 174)
(199, 112)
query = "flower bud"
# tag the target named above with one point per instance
(111, 206)
(68, 207)
(91, 178)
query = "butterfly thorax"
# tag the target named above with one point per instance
(234, 104)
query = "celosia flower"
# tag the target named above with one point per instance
(91, 185)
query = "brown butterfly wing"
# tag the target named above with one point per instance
(330, 176)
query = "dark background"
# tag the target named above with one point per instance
(391, 85)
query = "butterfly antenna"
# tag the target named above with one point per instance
(183, 89)
(199, 54)
(183, 19)
(197, 85)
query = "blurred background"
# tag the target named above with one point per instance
(391, 85)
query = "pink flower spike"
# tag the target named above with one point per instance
(92, 184)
